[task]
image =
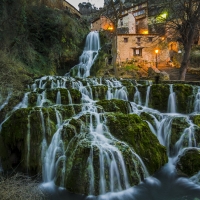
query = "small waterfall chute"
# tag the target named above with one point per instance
(89, 55)
(171, 101)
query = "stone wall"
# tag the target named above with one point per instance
(71, 8)
(141, 48)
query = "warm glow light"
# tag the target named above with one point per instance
(164, 15)
(145, 32)
(156, 51)
(110, 28)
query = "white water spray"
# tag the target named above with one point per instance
(89, 55)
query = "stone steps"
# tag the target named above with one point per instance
(174, 74)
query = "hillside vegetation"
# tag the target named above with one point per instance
(36, 39)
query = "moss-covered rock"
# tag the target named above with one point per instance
(143, 93)
(114, 105)
(131, 129)
(189, 162)
(74, 94)
(183, 93)
(196, 119)
(99, 92)
(183, 132)
(24, 132)
(178, 125)
(158, 98)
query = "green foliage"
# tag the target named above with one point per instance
(13, 74)
(131, 67)
(36, 40)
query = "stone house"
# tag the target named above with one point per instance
(140, 48)
(134, 42)
(134, 19)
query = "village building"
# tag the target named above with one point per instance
(102, 23)
(135, 42)
(71, 8)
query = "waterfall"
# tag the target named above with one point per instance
(24, 103)
(112, 166)
(58, 98)
(137, 97)
(147, 96)
(171, 108)
(69, 97)
(88, 56)
(6, 101)
(103, 148)
(197, 101)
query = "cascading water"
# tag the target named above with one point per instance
(171, 101)
(112, 166)
(85, 131)
(137, 97)
(88, 56)
(147, 95)
(197, 101)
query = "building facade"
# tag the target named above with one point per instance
(140, 47)
(71, 8)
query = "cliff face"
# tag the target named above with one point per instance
(37, 40)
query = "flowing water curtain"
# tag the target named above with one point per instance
(197, 101)
(91, 134)
(89, 55)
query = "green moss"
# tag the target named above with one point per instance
(183, 94)
(158, 98)
(189, 162)
(127, 83)
(75, 95)
(131, 129)
(114, 105)
(147, 117)
(32, 99)
(99, 92)
(196, 120)
(131, 91)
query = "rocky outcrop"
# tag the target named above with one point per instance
(189, 162)
(90, 137)
(157, 75)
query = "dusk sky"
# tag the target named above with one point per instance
(97, 3)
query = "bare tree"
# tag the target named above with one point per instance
(182, 21)
(114, 10)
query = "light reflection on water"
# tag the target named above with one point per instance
(164, 185)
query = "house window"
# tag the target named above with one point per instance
(138, 39)
(137, 52)
(121, 22)
(125, 40)
(150, 39)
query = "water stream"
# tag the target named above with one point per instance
(114, 183)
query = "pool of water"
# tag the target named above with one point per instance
(166, 184)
